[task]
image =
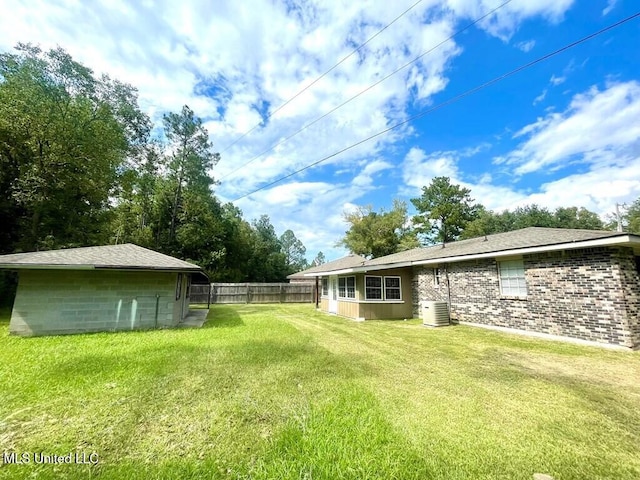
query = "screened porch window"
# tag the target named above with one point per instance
(373, 288)
(325, 287)
(347, 287)
(512, 278)
(392, 289)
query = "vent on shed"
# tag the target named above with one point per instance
(435, 314)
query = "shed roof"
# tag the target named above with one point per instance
(526, 240)
(126, 256)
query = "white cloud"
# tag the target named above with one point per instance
(598, 189)
(611, 4)
(555, 81)
(226, 58)
(506, 20)
(526, 46)
(419, 168)
(366, 177)
(598, 126)
(540, 97)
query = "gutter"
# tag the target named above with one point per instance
(38, 266)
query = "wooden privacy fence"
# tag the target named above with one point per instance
(254, 293)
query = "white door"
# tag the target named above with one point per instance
(333, 294)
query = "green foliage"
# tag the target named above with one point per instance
(268, 262)
(78, 168)
(632, 217)
(294, 252)
(319, 260)
(63, 136)
(375, 234)
(574, 217)
(444, 210)
(189, 163)
(488, 222)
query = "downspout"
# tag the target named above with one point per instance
(446, 276)
(317, 294)
(157, 304)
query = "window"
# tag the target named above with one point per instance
(382, 288)
(512, 279)
(325, 287)
(373, 288)
(392, 288)
(347, 287)
(436, 276)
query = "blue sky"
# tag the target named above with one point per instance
(562, 133)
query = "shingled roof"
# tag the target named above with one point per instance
(350, 261)
(500, 244)
(126, 256)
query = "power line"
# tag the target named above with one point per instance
(313, 122)
(449, 102)
(322, 76)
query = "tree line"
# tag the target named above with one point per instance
(80, 164)
(446, 213)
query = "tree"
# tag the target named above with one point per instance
(64, 135)
(629, 218)
(633, 217)
(375, 234)
(294, 252)
(574, 217)
(533, 215)
(238, 242)
(133, 213)
(319, 260)
(444, 210)
(268, 263)
(190, 161)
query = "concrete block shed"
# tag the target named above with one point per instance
(95, 289)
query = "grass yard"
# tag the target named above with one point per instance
(284, 392)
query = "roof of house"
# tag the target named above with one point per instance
(350, 261)
(526, 240)
(120, 257)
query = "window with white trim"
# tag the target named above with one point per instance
(325, 287)
(436, 276)
(512, 278)
(392, 290)
(347, 287)
(373, 288)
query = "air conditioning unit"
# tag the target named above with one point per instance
(435, 314)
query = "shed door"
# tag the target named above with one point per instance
(333, 294)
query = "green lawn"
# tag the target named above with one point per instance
(270, 392)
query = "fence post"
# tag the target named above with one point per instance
(248, 292)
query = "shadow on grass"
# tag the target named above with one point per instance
(221, 316)
(5, 315)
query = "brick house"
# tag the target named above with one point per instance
(93, 289)
(582, 284)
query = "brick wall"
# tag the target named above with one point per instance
(590, 294)
(74, 301)
(628, 270)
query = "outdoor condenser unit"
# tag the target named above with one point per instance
(435, 314)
